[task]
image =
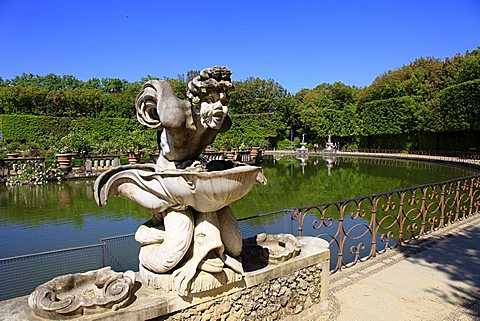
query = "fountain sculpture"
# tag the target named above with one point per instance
(329, 147)
(303, 149)
(192, 228)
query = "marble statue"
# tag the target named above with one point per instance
(186, 127)
(303, 149)
(192, 228)
(329, 146)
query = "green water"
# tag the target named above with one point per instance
(294, 183)
(55, 216)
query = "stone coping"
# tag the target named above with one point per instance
(149, 303)
(429, 158)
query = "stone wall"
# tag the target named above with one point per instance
(293, 290)
(276, 299)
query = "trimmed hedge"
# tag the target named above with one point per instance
(459, 106)
(27, 128)
(248, 129)
(443, 141)
(259, 130)
(106, 128)
(391, 116)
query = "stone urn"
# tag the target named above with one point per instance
(65, 159)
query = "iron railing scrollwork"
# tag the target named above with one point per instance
(360, 228)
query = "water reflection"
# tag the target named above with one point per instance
(310, 180)
(331, 160)
(41, 218)
(303, 162)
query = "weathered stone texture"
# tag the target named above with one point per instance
(277, 299)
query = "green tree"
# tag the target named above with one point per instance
(92, 83)
(329, 109)
(113, 85)
(255, 95)
(469, 67)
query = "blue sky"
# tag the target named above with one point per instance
(300, 44)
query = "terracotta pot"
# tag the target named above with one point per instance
(230, 155)
(65, 159)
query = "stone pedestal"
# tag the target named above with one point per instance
(292, 290)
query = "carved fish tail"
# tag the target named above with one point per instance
(163, 257)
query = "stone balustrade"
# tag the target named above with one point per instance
(101, 163)
(12, 166)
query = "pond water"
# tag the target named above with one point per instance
(55, 216)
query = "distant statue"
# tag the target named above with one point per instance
(303, 149)
(330, 146)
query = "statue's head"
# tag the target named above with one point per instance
(208, 95)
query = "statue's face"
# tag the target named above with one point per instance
(209, 87)
(207, 236)
(213, 95)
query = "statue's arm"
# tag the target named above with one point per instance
(158, 107)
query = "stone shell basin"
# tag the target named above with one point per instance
(271, 249)
(158, 190)
(72, 295)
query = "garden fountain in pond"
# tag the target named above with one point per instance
(192, 244)
(329, 146)
(303, 149)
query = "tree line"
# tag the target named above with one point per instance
(413, 106)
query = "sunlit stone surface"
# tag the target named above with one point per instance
(74, 295)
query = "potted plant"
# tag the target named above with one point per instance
(64, 157)
(72, 145)
(134, 144)
(254, 151)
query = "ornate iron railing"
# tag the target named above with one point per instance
(360, 228)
